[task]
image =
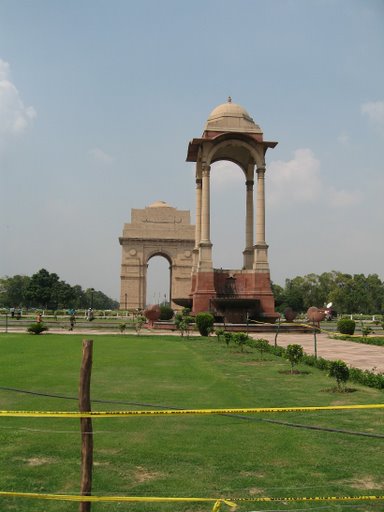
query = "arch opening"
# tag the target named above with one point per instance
(158, 279)
(227, 214)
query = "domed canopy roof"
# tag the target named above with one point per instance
(159, 204)
(231, 117)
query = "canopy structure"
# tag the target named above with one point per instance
(231, 134)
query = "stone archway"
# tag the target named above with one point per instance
(158, 229)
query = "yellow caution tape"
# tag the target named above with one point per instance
(231, 502)
(311, 498)
(69, 497)
(173, 412)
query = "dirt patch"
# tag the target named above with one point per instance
(294, 372)
(256, 362)
(142, 475)
(253, 474)
(255, 490)
(365, 483)
(39, 461)
(109, 451)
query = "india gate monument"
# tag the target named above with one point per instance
(231, 295)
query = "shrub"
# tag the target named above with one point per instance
(166, 312)
(183, 323)
(139, 322)
(122, 328)
(294, 354)
(261, 345)
(204, 322)
(340, 371)
(367, 378)
(219, 333)
(365, 329)
(346, 326)
(37, 328)
(241, 339)
(228, 337)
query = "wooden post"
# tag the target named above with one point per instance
(86, 425)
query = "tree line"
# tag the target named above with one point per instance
(348, 293)
(46, 290)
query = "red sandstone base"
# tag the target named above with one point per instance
(234, 295)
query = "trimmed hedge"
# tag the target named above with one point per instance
(166, 312)
(346, 326)
(37, 328)
(204, 323)
(379, 341)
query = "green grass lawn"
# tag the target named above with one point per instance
(192, 456)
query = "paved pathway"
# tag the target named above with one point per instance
(358, 355)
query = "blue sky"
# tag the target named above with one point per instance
(99, 99)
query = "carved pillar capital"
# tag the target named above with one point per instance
(249, 185)
(205, 170)
(261, 169)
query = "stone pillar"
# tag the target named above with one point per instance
(248, 251)
(205, 245)
(195, 254)
(205, 204)
(261, 248)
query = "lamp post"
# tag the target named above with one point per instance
(92, 290)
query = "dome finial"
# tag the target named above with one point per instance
(229, 99)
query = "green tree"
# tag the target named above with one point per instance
(46, 290)
(376, 287)
(279, 295)
(348, 293)
(98, 300)
(294, 294)
(80, 299)
(261, 345)
(42, 290)
(340, 371)
(12, 290)
(294, 354)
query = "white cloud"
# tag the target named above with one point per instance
(224, 174)
(344, 198)
(297, 180)
(4, 70)
(100, 156)
(374, 110)
(14, 116)
(343, 138)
